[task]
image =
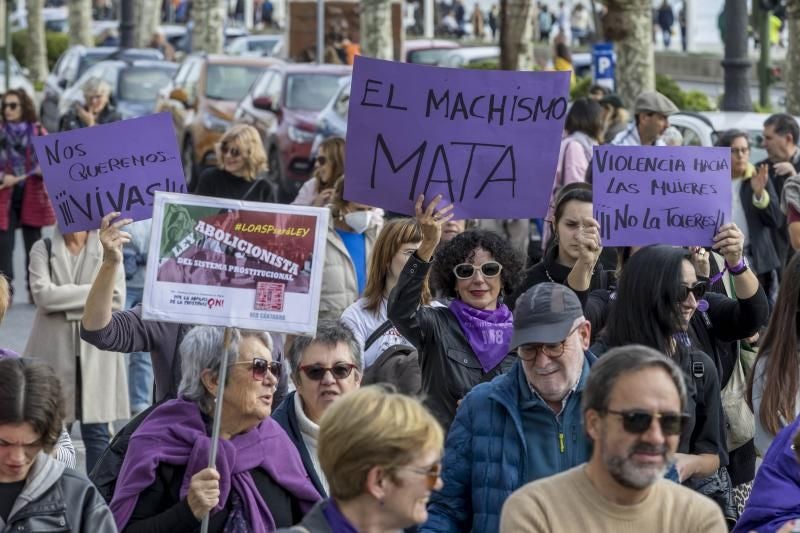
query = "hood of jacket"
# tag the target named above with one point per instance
(44, 473)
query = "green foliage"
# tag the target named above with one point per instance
(581, 88)
(488, 64)
(758, 108)
(686, 101)
(56, 43)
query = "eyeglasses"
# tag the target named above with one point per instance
(698, 289)
(338, 371)
(432, 474)
(10, 105)
(638, 422)
(321, 160)
(529, 352)
(233, 151)
(490, 269)
(737, 151)
(261, 366)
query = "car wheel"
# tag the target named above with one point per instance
(187, 158)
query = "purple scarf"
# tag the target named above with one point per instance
(17, 148)
(336, 520)
(488, 332)
(174, 433)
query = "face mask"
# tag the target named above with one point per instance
(358, 220)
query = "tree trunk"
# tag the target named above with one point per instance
(36, 59)
(376, 29)
(208, 17)
(630, 24)
(516, 34)
(80, 22)
(147, 17)
(793, 58)
(3, 7)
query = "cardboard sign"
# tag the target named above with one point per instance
(111, 167)
(488, 141)
(661, 194)
(226, 262)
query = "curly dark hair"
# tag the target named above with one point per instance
(26, 104)
(462, 249)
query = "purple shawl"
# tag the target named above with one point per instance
(775, 499)
(487, 332)
(175, 433)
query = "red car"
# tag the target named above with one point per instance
(282, 105)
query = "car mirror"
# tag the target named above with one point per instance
(180, 95)
(263, 102)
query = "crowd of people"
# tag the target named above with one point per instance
(457, 380)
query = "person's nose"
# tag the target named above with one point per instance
(327, 378)
(439, 484)
(654, 435)
(16, 455)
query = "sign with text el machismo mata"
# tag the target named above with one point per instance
(485, 140)
(225, 262)
(661, 194)
(119, 166)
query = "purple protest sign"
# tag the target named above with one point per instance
(675, 195)
(488, 141)
(111, 167)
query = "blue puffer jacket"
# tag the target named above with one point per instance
(486, 452)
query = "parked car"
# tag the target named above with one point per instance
(283, 106)
(332, 120)
(201, 98)
(427, 51)
(256, 45)
(472, 55)
(71, 65)
(19, 77)
(134, 85)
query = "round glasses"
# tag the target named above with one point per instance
(529, 352)
(261, 366)
(338, 371)
(489, 269)
(432, 474)
(232, 150)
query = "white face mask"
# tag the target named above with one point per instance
(358, 220)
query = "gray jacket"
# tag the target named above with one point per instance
(58, 499)
(313, 522)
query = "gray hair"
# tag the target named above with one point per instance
(622, 360)
(202, 348)
(96, 85)
(329, 333)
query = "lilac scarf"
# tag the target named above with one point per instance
(175, 433)
(488, 332)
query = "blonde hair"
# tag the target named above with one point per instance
(338, 203)
(249, 141)
(395, 233)
(5, 296)
(371, 427)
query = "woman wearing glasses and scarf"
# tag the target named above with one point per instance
(259, 483)
(466, 343)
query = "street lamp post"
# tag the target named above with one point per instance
(126, 24)
(736, 63)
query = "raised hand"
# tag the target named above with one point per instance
(729, 242)
(431, 221)
(112, 237)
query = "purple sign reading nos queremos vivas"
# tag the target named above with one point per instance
(487, 141)
(111, 167)
(661, 194)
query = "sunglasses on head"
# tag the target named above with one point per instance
(698, 290)
(321, 160)
(338, 371)
(638, 422)
(489, 269)
(432, 474)
(233, 151)
(10, 105)
(261, 367)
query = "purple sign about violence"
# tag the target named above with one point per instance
(111, 167)
(487, 141)
(661, 194)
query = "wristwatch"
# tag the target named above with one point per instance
(739, 269)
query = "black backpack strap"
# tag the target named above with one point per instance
(48, 245)
(251, 189)
(377, 334)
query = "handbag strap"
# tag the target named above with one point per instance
(377, 334)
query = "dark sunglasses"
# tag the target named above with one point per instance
(317, 372)
(10, 105)
(490, 269)
(235, 152)
(432, 474)
(698, 289)
(321, 160)
(638, 422)
(261, 366)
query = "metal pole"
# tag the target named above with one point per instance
(223, 375)
(736, 63)
(7, 72)
(320, 31)
(763, 61)
(248, 14)
(429, 23)
(126, 24)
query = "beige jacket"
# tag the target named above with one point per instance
(339, 283)
(55, 335)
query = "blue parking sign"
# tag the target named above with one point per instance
(604, 63)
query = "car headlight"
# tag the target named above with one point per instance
(215, 123)
(296, 135)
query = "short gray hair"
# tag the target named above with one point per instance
(96, 85)
(329, 333)
(622, 360)
(201, 349)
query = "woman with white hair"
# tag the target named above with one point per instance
(259, 483)
(97, 108)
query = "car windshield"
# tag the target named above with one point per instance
(432, 56)
(230, 82)
(310, 91)
(89, 60)
(141, 84)
(264, 46)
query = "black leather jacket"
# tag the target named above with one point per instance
(449, 366)
(56, 498)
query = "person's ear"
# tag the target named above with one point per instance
(585, 331)
(593, 423)
(357, 378)
(375, 483)
(210, 381)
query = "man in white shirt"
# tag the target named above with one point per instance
(651, 118)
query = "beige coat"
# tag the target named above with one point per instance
(55, 338)
(339, 283)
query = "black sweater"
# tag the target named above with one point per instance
(219, 183)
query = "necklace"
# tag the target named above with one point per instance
(546, 273)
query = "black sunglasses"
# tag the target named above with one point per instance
(261, 366)
(638, 422)
(490, 269)
(10, 105)
(698, 289)
(225, 149)
(317, 372)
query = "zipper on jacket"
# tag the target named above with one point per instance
(561, 441)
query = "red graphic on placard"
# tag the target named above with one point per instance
(269, 296)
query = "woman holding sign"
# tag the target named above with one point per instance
(466, 343)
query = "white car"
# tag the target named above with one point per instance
(19, 79)
(471, 55)
(256, 46)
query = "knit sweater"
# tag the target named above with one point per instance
(310, 432)
(541, 506)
